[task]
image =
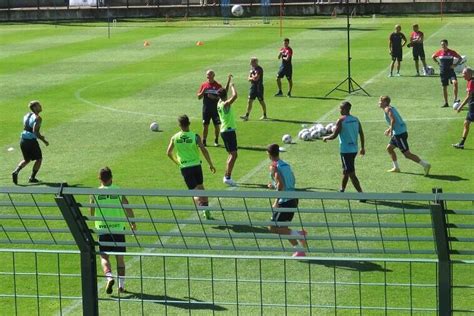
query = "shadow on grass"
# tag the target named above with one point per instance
(443, 177)
(342, 28)
(316, 98)
(288, 121)
(243, 229)
(253, 148)
(362, 266)
(50, 184)
(187, 303)
(400, 205)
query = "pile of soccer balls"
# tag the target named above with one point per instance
(313, 132)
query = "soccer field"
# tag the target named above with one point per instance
(99, 96)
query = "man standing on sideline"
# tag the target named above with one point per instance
(283, 180)
(29, 142)
(256, 89)
(228, 127)
(445, 59)
(286, 68)
(187, 158)
(416, 43)
(208, 93)
(111, 206)
(395, 46)
(399, 136)
(348, 128)
(467, 75)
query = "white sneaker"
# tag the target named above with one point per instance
(229, 182)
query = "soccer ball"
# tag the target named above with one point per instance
(330, 128)
(306, 136)
(456, 105)
(237, 10)
(429, 71)
(286, 139)
(303, 131)
(315, 134)
(154, 127)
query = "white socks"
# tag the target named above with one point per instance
(396, 165)
(423, 163)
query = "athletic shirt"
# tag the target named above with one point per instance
(253, 72)
(186, 149)
(209, 88)
(470, 90)
(396, 40)
(446, 59)
(100, 211)
(286, 52)
(28, 122)
(227, 117)
(348, 136)
(416, 36)
(399, 127)
(286, 175)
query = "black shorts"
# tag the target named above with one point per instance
(118, 238)
(209, 114)
(256, 92)
(400, 141)
(447, 77)
(397, 55)
(285, 216)
(230, 140)
(192, 176)
(348, 162)
(418, 52)
(470, 116)
(30, 149)
(285, 71)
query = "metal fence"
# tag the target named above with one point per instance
(396, 254)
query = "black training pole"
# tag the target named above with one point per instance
(350, 82)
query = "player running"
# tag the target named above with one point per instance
(187, 158)
(399, 136)
(286, 68)
(467, 75)
(228, 127)
(109, 206)
(348, 128)
(208, 93)
(395, 46)
(445, 59)
(29, 142)
(256, 89)
(416, 43)
(283, 179)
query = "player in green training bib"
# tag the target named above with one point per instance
(109, 231)
(183, 151)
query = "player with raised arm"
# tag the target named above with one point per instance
(208, 93)
(111, 206)
(186, 144)
(469, 99)
(445, 59)
(256, 89)
(396, 42)
(398, 134)
(286, 68)
(29, 145)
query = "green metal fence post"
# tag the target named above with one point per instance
(440, 232)
(83, 237)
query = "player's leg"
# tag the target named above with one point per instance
(290, 84)
(107, 269)
(217, 126)
(121, 273)
(34, 172)
(465, 131)
(230, 164)
(445, 96)
(455, 89)
(230, 142)
(206, 119)
(392, 65)
(391, 152)
(355, 181)
(417, 67)
(15, 172)
(264, 109)
(399, 64)
(279, 216)
(205, 130)
(345, 174)
(279, 93)
(425, 66)
(250, 100)
(426, 165)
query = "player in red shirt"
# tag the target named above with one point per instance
(208, 93)
(445, 59)
(416, 42)
(467, 75)
(286, 68)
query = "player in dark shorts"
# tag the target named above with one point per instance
(208, 93)
(445, 59)
(283, 179)
(186, 144)
(256, 89)
(29, 145)
(467, 75)
(396, 42)
(109, 231)
(286, 68)
(416, 43)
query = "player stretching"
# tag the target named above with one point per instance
(228, 127)
(286, 69)
(208, 93)
(283, 180)
(399, 136)
(416, 42)
(445, 59)
(256, 89)
(111, 232)
(467, 74)
(395, 48)
(187, 158)
(29, 142)
(348, 128)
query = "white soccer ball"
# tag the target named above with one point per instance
(237, 10)
(286, 139)
(303, 131)
(330, 128)
(456, 105)
(315, 134)
(306, 136)
(154, 127)
(429, 71)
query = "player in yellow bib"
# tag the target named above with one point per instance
(111, 206)
(183, 151)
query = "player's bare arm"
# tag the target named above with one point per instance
(36, 130)
(362, 140)
(389, 130)
(205, 153)
(336, 131)
(91, 209)
(129, 213)
(229, 102)
(170, 154)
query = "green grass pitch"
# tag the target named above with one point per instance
(99, 96)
